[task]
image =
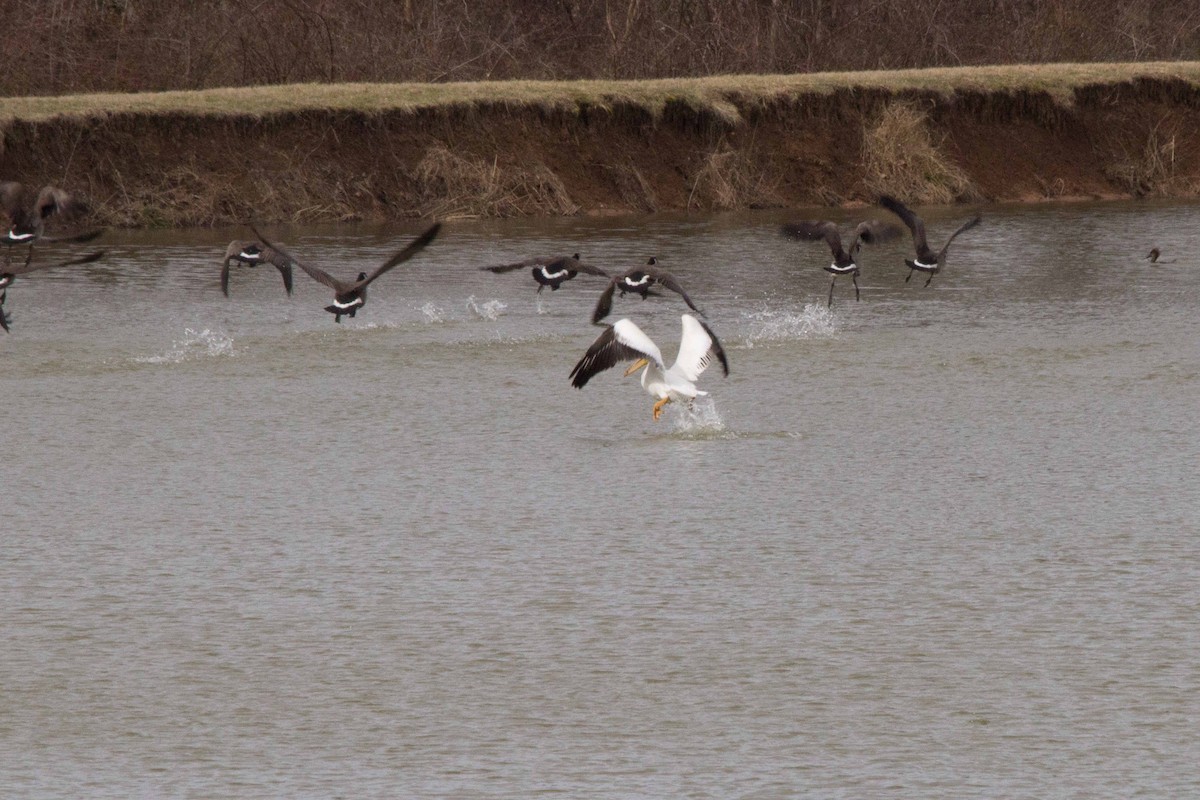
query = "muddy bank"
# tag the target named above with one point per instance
(1117, 140)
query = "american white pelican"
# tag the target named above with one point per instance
(639, 280)
(869, 231)
(927, 260)
(350, 296)
(252, 254)
(552, 271)
(625, 340)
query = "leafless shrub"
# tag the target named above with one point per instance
(122, 45)
(901, 159)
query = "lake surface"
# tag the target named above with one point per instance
(940, 543)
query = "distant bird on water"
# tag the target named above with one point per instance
(252, 254)
(9, 273)
(1154, 257)
(552, 271)
(927, 260)
(639, 280)
(624, 341)
(27, 212)
(844, 263)
(350, 296)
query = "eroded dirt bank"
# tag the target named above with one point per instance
(1111, 141)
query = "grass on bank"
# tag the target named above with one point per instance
(715, 94)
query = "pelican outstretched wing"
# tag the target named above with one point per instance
(623, 341)
(697, 348)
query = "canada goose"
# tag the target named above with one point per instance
(552, 271)
(9, 273)
(350, 296)
(869, 231)
(252, 254)
(1154, 257)
(639, 280)
(927, 260)
(625, 341)
(27, 214)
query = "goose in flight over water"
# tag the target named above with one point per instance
(350, 296)
(252, 254)
(9, 273)
(927, 260)
(639, 280)
(624, 341)
(552, 271)
(869, 231)
(27, 213)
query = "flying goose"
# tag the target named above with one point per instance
(869, 231)
(625, 341)
(27, 214)
(639, 280)
(9, 273)
(927, 260)
(552, 271)
(252, 254)
(350, 296)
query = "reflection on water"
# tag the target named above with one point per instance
(938, 543)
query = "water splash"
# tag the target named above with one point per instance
(490, 310)
(701, 420)
(194, 345)
(815, 321)
(433, 313)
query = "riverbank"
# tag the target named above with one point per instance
(343, 152)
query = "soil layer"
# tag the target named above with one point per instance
(1120, 140)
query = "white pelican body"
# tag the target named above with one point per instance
(625, 340)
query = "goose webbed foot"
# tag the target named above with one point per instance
(909, 278)
(929, 281)
(831, 283)
(854, 278)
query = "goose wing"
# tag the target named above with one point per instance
(12, 195)
(812, 230)
(873, 231)
(22, 269)
(414, 247)
(552, 262)
(966, 226)
(697, 348)
(669, 281)
(53, 200)
(316, 273)
(282, 263)
(604, 304)
(623, 341)
(914, 223)
(75, 238)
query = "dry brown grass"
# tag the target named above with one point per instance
(900, 158)
(718, 96)
(455, 187)
(1150, 168)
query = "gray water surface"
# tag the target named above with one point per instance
(941, 543)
